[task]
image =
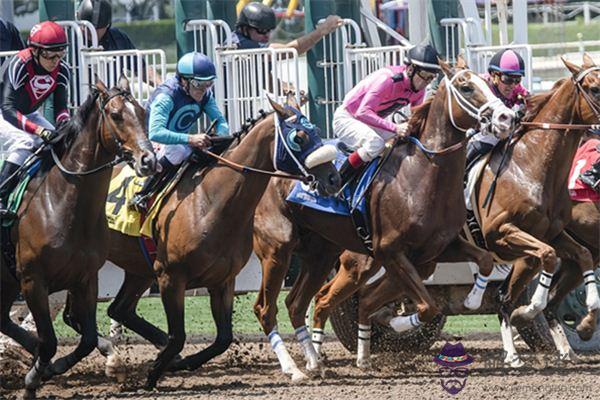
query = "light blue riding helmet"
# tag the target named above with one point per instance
(196, 66)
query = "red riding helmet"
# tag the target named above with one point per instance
(47, 35)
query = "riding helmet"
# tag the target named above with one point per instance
(257, 15)
(98, 12)
(196, 66)
(47, 35)
(424, 57)
(508, 62)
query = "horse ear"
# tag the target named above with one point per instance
(460, 62)
(588, 61)
(279, 108)
(101, 86)
(446, 69)
(291, 100)
(124, 83)
(575, 69)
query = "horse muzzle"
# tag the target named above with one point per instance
(503, 121)
(145, 163)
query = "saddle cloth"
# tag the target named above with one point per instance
(16, 197)
(586, 156)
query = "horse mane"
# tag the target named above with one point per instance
(417, 120)
(71, 129)
(537, 102)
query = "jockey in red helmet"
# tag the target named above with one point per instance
(32, 75)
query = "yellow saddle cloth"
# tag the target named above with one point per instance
(128, 220)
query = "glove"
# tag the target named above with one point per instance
(48, 135)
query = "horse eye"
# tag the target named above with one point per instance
(115, 115)
(466, 89)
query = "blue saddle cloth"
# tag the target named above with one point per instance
(353, 197)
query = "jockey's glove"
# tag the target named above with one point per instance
(48, 135)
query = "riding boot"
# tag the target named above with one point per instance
(6, 187)
(351, 168)
(476, 150)
(153, 184)
(591, 177)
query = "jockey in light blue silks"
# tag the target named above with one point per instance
(172, 112)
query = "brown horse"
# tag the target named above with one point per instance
(61, 235)
(204, 234)
(525, 222)
(417, 210)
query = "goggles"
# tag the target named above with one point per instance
(204, 85)
(510, 79)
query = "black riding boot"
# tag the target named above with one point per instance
(476, 150)
(154, 184)
(591, 177)
(348, 172)
(7, 186)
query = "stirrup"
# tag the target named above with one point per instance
(139, 203)
(7, 214)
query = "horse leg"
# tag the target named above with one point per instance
(513, 237)
(568, 248)
(355, 269)
(123, 310)
(172, 292)
(523, 270)
(221, 306)
(462, 250)
(83, 309)
(317, 261)
(275, 261)
(35, 292)
(9, 289)
(401, 269)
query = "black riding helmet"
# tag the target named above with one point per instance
(424, 57)
(257, 15)
(98, 12)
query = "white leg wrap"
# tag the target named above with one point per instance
(288, 365)
(473, 300)
(562, 343)
(592, 300)
(363, 351)
(116, 329)
(512, 358)
(312, 359)
(540, 297)
(318, 336)
(404, 323)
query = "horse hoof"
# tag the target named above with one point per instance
(114, 368)
(570, 357)
(587, 327)
(364, 364)
(298, 376)
(520, 317)
(471, 304)
(29, 394)
(514, 361)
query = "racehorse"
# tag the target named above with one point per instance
(204, 233)
(525, 223)
(61, 236)
(417, 209)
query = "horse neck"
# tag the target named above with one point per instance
(84, 154)
(438, 132)
(552, 150)
(226, 185)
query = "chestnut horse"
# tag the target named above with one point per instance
(525, 223)
(204, 234)
(417, 210)
(61, 236)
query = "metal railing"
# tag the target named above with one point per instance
(144, 69)
(244, 76)
(210, 35)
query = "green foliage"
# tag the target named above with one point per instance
(150, 34)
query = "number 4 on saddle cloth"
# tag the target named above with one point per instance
(352, 201)
(123, 187)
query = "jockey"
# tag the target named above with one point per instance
(360, 121)
(9, 37)
(172, 112)
(32, 75)
(256, 22)
(99, 13)
(506, 69)
(591, 177)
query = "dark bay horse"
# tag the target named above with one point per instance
(525, 223)
(204, 234)
(61, 236)
(417, 210)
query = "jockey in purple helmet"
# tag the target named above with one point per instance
(505, 71)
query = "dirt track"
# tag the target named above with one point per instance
(249, 370)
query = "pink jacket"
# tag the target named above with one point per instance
(379, 94)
